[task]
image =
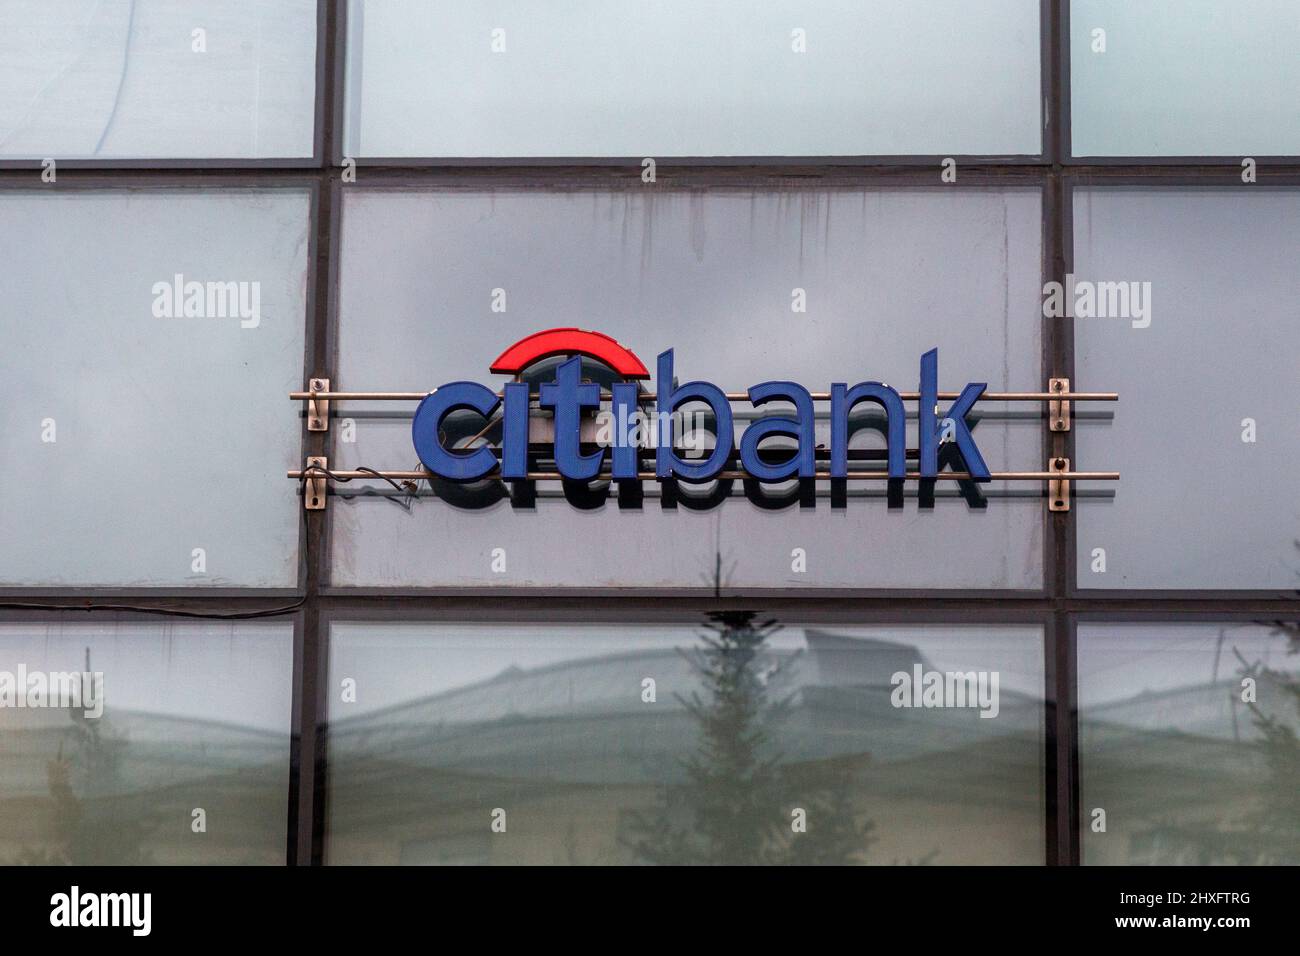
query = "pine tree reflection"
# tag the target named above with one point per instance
(1266, 829)
(739, 802)
(736, 742)
(1274, 826)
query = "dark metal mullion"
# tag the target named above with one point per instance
(1066, 695)
(212, 173)
(316, 671)
(295, 741)
(305, 648)
(633, 163)
(1062, 141)
(660, 612)
(311, 825)
(486, 604)
(307, 658)
(1062, 671)
(337, 78)
(1065, 665)
(307, 778)
(1055, 795)
(1056, 780)
(539, 175)
(324, 81)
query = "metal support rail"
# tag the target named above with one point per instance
(1057, 475)
(328, 396)
(735, 475)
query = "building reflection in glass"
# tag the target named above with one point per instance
(1187, 742)
(736, 741)
(196, 716)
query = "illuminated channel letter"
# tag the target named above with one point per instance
(455, 466)
(624, 409)
(569, 395)
(667, 464)
(929, 426)
(843, 399)
(804, 461)
(514, 432)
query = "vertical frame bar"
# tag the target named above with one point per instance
(307, 778)
(1063, 141)
(295, 744)
(324, 69)
(338, 83)
(1065, 628)
(1059, 661)
(1052, 779)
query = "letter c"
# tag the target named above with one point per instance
(454, 466)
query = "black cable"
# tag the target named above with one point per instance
(407, 487)
(165, 611)
(178, 612)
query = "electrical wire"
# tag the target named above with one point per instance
(173, 611)
(163, 611)
(407, 487)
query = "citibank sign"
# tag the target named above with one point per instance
(566, 397)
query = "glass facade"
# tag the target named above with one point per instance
(206, 206)
(180, 755)
(1187, 743)
(1184, 78)
(679, 745)
(1221, 295)
(680, 79)
(687, 270)
(107, 339)
(196, 79)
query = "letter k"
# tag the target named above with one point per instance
(928, 424)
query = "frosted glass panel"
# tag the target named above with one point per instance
(121, 79)
(458, 78)
(147, 433)
(626, 743)
(1185, 77)
(1208, 384)
(885, 275)
(174, 717)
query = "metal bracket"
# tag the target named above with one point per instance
(318, 409)
(1058, 489)
(1058, 410)
(314, 491)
